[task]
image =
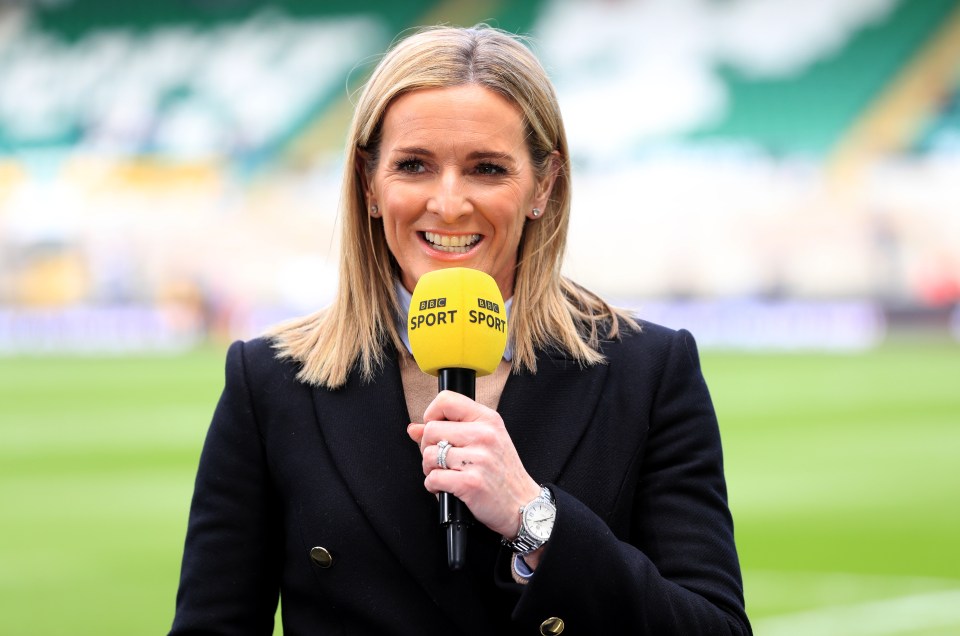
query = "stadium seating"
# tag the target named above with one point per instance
(702, 132)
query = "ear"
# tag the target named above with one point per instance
(544, 185)
(361, 161)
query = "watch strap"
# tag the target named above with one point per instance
(524, 543)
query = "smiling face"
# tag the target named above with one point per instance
(454, 183)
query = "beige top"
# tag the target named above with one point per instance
(420, 388)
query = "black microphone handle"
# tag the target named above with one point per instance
(454, 514)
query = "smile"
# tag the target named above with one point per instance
(454, 244)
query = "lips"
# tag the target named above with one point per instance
(451, 243)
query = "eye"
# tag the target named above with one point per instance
(411, 165)
(491, 169)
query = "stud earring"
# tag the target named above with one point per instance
(537, 212)
(374, 211)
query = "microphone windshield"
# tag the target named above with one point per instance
(457, 321)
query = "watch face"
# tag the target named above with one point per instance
(538, 518)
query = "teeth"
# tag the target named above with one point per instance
(457, 244)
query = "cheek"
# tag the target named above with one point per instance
(510, 214)
(402, 203)
(512, 202)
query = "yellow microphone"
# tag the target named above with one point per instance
(457, 321)
(457, 325)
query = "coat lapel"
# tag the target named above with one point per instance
(548, 413)
(364, 426)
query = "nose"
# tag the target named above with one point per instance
(450, 199)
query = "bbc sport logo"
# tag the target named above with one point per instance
(489, 305)
(432, 303)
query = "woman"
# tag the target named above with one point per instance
(319, 475)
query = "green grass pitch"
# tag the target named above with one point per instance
(843, 473)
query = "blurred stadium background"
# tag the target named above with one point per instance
(782, 177)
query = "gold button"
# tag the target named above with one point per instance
(552, 626)
(322, 557)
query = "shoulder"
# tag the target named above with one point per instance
(260, 363)
(650, 342)
(653, 355)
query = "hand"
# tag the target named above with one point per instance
(483, 468)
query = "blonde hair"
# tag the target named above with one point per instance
(548, 309)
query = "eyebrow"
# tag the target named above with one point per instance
(473, 156)
(413, 150)
(489, 154)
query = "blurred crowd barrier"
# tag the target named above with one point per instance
(772, 174)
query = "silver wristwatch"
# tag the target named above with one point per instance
(536, 523)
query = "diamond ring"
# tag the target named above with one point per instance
(444, 446)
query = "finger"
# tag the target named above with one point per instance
(454, 407)
(415, 431)
(431, 459)
(456, 459)
(457, 433)
(464, 485)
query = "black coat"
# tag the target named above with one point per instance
(643, 542)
